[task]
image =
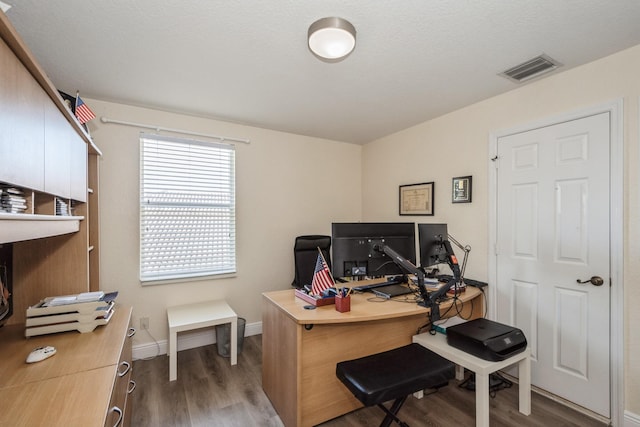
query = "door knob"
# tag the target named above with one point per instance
(595, 281)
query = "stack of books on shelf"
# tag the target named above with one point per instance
(12, 199)
(62, 208)
(83, 313)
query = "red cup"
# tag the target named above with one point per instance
(343, 304)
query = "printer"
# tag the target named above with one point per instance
(487, 339)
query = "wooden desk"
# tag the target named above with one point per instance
(300, 348)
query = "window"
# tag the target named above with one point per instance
(187, 208)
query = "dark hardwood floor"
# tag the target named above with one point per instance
(211, 392)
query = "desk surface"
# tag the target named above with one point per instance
(75, 351)
(362, 310)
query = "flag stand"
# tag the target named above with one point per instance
(317, 301)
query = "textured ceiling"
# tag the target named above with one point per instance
(248, 62)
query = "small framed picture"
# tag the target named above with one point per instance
(461, 189)
(416, 199)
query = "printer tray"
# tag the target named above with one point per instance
(487, 339)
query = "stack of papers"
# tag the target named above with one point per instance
(83, 312)
(73, 299)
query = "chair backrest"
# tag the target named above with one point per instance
(305, 255)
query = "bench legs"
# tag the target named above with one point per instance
(173, 352)
(392, 413)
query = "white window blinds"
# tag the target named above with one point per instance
(187, 208)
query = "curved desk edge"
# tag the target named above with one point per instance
(363, 309)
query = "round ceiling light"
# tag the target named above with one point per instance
(332, 39)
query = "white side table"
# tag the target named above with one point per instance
(482, 368)
(199, 315)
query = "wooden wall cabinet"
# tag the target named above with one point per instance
(35, 131)
(45, 152)
(79, 161)
(65, 157)
(57, 152)
(22, 129)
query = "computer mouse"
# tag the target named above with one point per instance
(40, 354)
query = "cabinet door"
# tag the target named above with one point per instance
(79, 154)
(22, 124)
(57, 152)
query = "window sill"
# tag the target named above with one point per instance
(179, 280)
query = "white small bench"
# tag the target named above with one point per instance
(195, 316)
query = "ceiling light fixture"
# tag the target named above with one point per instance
(331, 39)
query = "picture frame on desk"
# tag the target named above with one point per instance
(461, 189)
(417, 199)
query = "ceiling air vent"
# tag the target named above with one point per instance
(532, 68)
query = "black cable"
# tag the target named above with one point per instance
(486, 304)
(500, 383)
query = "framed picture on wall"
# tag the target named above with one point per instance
(461, 189)
(416, 199)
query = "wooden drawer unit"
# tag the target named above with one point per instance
(119, 413)
(80, 385)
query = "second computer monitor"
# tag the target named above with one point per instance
(432, 251)
(357, 248)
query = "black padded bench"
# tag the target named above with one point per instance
(394, 374)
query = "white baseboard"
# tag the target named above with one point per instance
(186, 340)
(631, 419)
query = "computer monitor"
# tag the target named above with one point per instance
(356, 248)
(431, 240)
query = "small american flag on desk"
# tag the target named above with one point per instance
(322, 278)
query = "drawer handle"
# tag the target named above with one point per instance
(127, 366)
(132, 332)
(120, 415)
(132, 386)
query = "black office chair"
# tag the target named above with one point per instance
(305, 255)
(394, 375)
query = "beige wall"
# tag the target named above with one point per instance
(287, 185)
(457, 144)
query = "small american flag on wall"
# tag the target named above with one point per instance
(83, 112)
(322, 276)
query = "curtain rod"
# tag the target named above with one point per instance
(186, 132)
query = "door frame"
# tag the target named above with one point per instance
(616, 231)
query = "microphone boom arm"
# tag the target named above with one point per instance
(466, 249)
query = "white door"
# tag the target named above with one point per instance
(553, 231)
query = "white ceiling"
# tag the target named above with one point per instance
(247, 61)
